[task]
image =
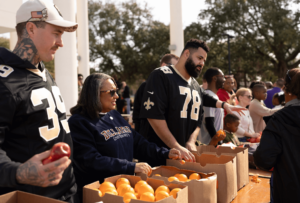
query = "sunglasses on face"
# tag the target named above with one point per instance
(112, 92)
(249, 96)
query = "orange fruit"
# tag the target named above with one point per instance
(177, 174)
(174, 192)
(162, 188)
(182, 161)
(148, 196)
(106, 186)
(195, 176)
(128, 196)
(122, 181)
(182, 177)
(157, 175)
(124, 189)
(145, 188)
(172, 178)
(137, 195)
(138, 185)
(221, 132)
(110, 191)
(161, 195)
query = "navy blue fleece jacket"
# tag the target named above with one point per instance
(105, 147)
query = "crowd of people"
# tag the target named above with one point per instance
(172, 115)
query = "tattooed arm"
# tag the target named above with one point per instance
(33, 172)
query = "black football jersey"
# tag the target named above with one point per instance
(32, 120)
(169, 96)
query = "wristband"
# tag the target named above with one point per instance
(223, 105)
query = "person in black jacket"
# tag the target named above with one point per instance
(104, 143)
(32, 111)
(279, 145)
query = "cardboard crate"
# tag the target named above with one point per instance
(203, 190)
(225, 168)
(24, 197)
(91, 196)
(242, 160)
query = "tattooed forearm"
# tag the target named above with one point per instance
(28, 173)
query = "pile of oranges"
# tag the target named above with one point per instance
(184, 178)
(142, 190)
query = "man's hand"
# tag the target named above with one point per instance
(185, 154)
(33, 172)
(191, 146)
(174, 154)
(217, 138)
(142, 168)
(229, 108)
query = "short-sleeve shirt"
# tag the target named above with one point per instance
(216, 113)
(169, 96)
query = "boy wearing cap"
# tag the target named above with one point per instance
(33, 114)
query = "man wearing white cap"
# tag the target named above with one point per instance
(32, 111)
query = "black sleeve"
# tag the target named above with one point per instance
(209, 124)
(270, 146)
(8, 168)
(126, 93)
(145, 150)
(155, 97)
(208, 101)
(137, 103)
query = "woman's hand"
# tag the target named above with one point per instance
(174, 154)
(229, 108)
(142, 168)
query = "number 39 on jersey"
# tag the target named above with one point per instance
(195, 97)
(37, 96)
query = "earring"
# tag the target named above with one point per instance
(290, 94)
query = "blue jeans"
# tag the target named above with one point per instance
(242, 139)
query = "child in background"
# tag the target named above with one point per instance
(258, 109)
(231, 124)
(278, 100)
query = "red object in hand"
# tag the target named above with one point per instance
(58, 151)
(252, 140)
(257, 139)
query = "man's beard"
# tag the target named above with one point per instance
(191, 68)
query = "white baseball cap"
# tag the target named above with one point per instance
(43, 10)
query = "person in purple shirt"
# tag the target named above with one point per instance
(278, 85)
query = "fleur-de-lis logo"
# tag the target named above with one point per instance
(148, 104)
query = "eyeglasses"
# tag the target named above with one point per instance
(287, 73)
(249, 96)
(112, 92)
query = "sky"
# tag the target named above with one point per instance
(160, 10)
